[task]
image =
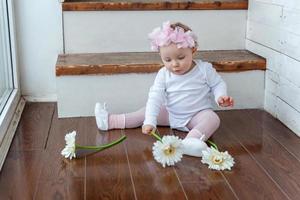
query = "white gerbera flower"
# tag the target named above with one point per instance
(168, 151)
(69, 150)
(217, 160)
(70, 138)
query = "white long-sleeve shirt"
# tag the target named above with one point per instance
(183, 95)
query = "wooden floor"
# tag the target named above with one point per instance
(267, 156)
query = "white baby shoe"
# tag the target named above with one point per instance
(101, 115)
(193, 147)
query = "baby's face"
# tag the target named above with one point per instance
(177, 60)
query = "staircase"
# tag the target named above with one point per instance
(107, 54)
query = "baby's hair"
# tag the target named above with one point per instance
(178, 24)
(184, 27)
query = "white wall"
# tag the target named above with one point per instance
(126, 31)
(273, 31)
(84, 91)
(40, 40)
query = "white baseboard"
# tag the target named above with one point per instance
(42, 98)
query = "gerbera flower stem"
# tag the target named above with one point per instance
(213, 144)
(153, 132)
(102, 147)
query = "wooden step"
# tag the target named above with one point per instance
(150, 62)
(89, 5)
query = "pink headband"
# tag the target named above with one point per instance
(166, 35)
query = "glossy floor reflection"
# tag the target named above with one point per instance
(266, 153)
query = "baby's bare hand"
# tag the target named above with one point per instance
(225, 101)
(146, 129)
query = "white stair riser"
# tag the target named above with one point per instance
(126, 31)
(77, 95)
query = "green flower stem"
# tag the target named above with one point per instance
(213, 144)
(153, 132)
(102, 147)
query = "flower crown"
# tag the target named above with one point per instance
(166, 35)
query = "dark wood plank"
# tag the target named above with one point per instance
(272, 157)
(63, 178)
(149, 62)
(33, 128)
(247, 178)
(107, 172)
(266, 168)
(91, 5)
(20, 174)
(70, 188)
(23, 164)
(198, 181)
(151, 180)
(277, 130)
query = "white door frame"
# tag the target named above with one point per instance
(9, 111)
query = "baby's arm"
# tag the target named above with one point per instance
(218, 87)
(155, 100)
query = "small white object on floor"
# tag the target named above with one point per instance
(193, 147)
(101, 116)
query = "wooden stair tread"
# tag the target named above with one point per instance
(149, 62)
(89, 5)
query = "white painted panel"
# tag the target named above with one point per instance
(275, 36)
(271, 84)
(272, 75)
(266, 35)
(290, 93)
(271, 93)
(273, 31)
(289, 116)
(291, 21)
(289, 69)
(291, 45)
(126, 31)
(273, 61)
(264, 13)
(283, 65)
(291, 4)
(271, 103)
(276, 2)
(77, 95)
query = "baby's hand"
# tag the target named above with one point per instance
(146, 129)
(225, 101)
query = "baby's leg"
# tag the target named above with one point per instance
(128, 120)
(203, 124)
(136, 119)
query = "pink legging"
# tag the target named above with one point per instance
(202, 125)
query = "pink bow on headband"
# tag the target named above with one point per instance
(165, 36)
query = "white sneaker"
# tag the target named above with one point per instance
(193, 147)
(101, 116)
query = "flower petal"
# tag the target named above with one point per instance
(169, 151)
(217, 160)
